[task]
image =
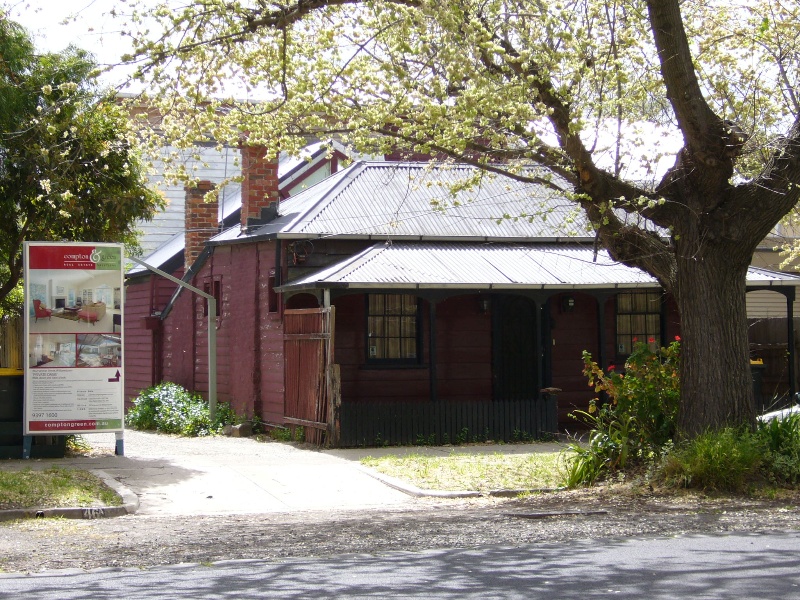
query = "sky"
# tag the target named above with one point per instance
(88, 24)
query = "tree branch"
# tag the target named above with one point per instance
(709, 141)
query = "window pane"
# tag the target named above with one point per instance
(654, 326)
(376, 304)
(623, 324)
(394, 305)
(638, 326)
(639, 319)
(376, 327)
(392, 326)
(624, 303)
(409, 327)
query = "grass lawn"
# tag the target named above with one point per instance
(54, 487)
(460, 471)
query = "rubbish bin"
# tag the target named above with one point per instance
(12, 399)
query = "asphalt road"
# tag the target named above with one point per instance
(732, 566)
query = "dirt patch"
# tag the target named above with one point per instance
(609, 512)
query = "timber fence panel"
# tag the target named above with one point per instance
(11, 342)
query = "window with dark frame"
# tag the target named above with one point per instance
(213, 288)
(638, 319)
(393, 328)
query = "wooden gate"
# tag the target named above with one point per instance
(308, 348)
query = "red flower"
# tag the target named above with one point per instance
(677, 338)
(611, 367)
(651, 340)
(635, 340)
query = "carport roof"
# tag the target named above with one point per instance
(491, 266)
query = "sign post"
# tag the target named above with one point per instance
(74, 378)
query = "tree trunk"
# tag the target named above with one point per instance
(716, 385)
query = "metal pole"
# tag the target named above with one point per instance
(212, 333)
(212, 358)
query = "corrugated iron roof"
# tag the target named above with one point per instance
(397, 201)
(414, 200)
(756, 276)
(476, 266)
(403, 265)
(407, 200)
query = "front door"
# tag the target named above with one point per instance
(515, 364)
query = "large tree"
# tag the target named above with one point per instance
(599, 92)
(68, 165)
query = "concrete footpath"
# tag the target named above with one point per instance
(166, 475)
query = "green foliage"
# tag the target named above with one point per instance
(467, 471)
(53, 487)
(730, 460)
(637, 419)
(77, 445)
(225, 416)
(726, 460)
(12, 304)
(287, 434)
(69, 168)
(780, 439)
(258, 424)
(648, 391)
(169, 408)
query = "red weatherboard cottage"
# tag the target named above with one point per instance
(376, 307)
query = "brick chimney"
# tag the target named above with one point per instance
(259, 183)
(201, 220)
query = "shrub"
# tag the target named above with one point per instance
(608, 450)
(169, 408)
(637, 419)
(286, 434)
(725, 460)
(647, 392)
(780, 439)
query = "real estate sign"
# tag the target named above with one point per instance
(73, 338)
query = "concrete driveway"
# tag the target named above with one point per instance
(170, 475)
(222, 475)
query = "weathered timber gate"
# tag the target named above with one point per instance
(308, 349)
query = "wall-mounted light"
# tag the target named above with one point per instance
(567, 303)
(484, 304)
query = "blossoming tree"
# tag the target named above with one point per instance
(673, 125)
(68, 167)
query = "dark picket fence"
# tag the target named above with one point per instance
(436, 423)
